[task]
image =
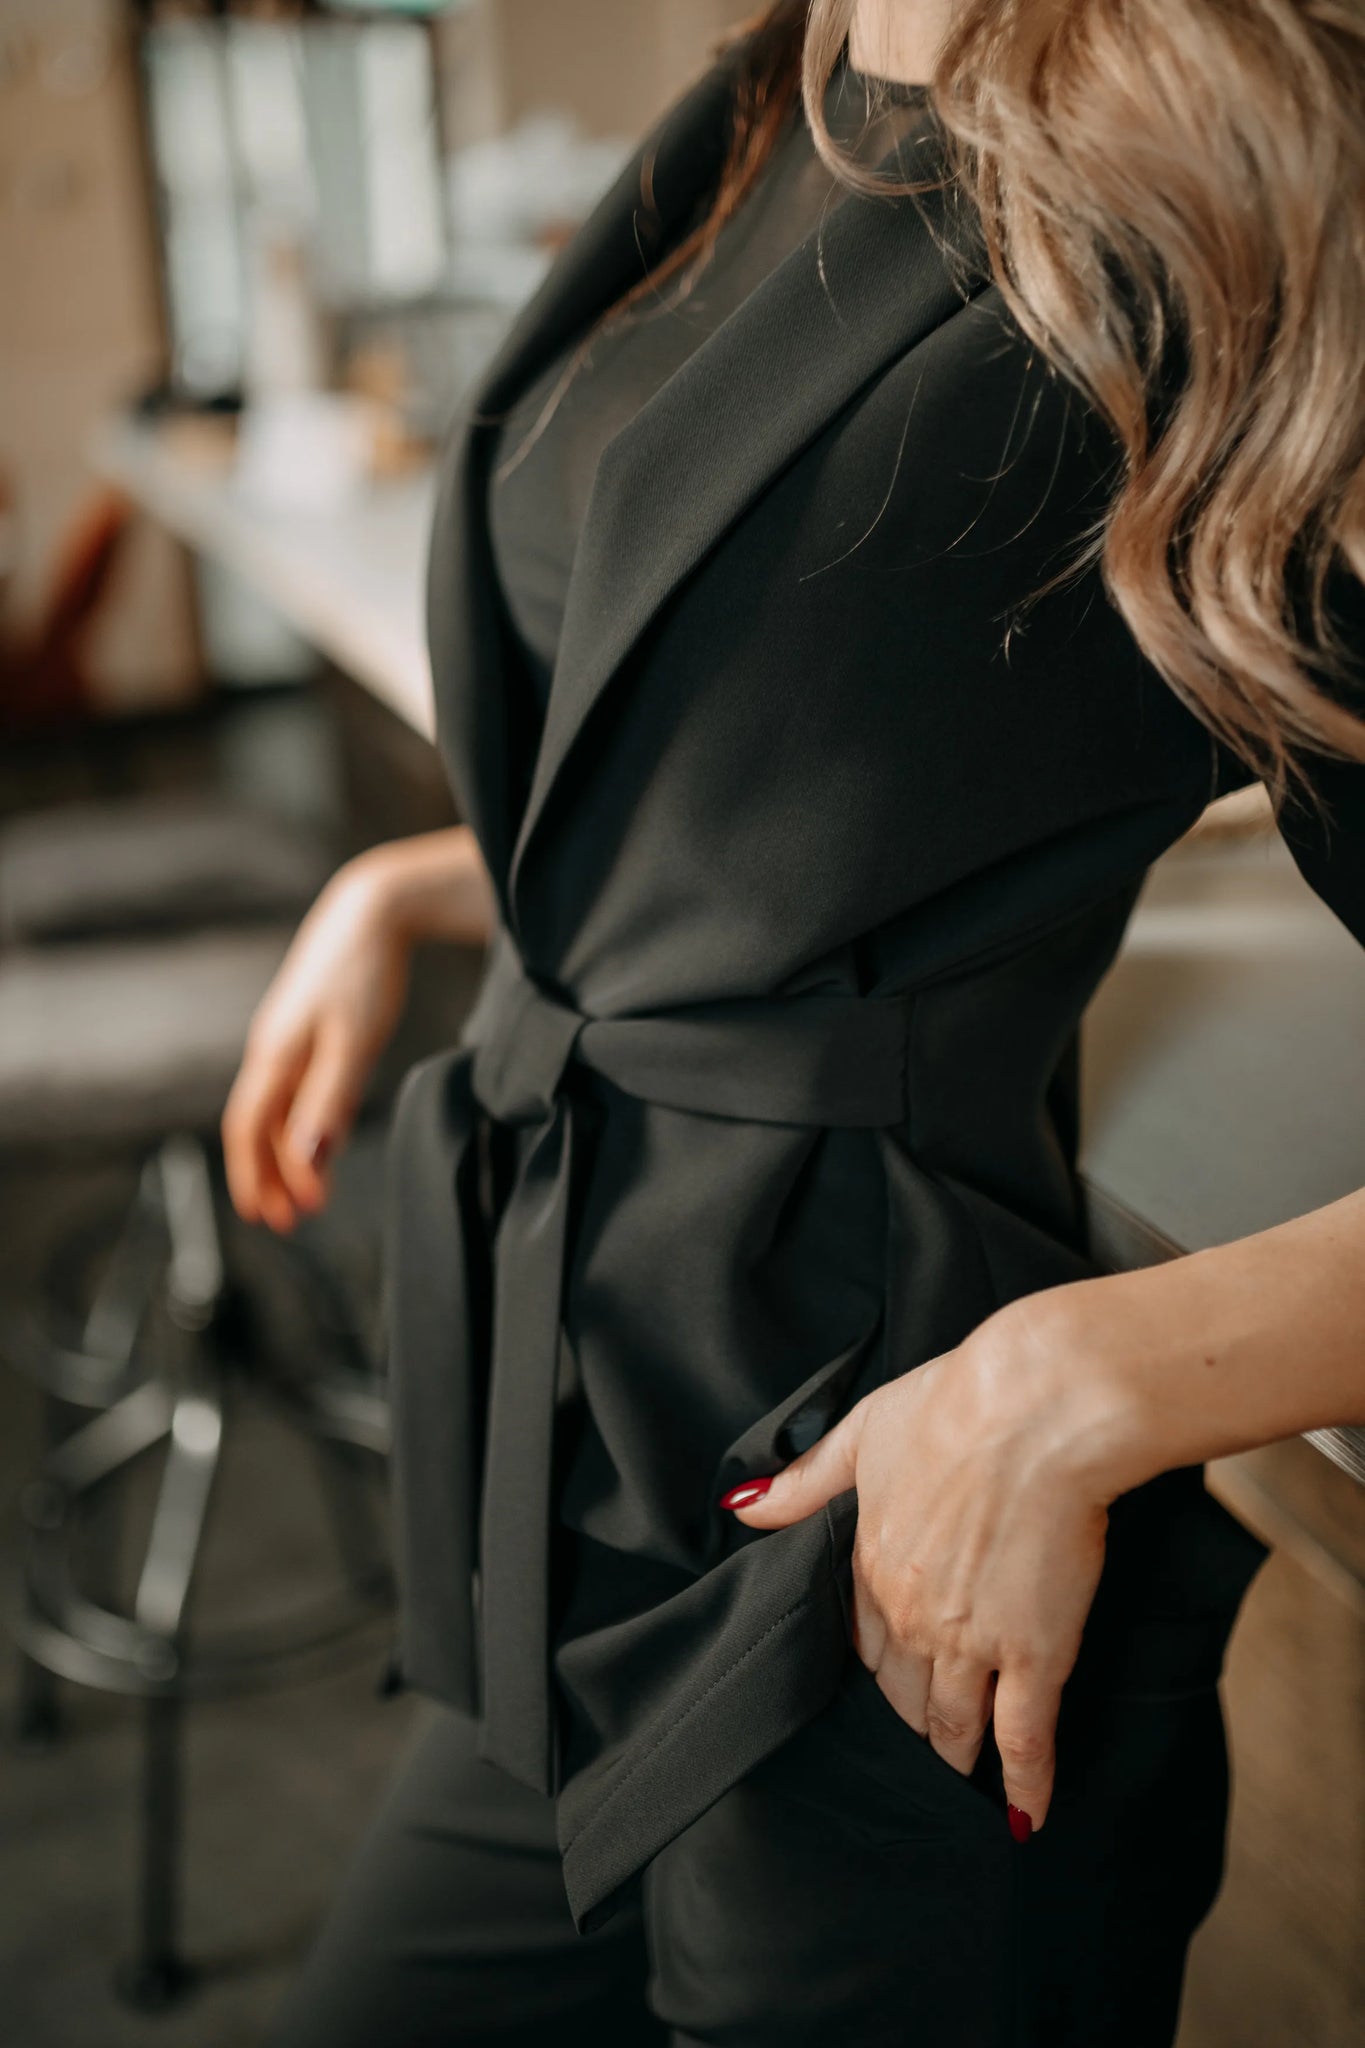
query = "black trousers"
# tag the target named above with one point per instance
(854, 1887)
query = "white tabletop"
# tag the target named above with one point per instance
(350, 581)
(1224, 1055)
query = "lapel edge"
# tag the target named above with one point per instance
(908, 324)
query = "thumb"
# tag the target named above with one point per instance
(815, 1477)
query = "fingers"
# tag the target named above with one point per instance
(903, 1678)
(944, 1699)
(253, 1119)
(1026, 1709)
(902, 1675)
(869, 1628)
(806, 1484)
(947, 1703)
(290, 1110)
(957, 1711)
(953, 1703)
(320, 1120)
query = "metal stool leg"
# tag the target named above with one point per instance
(158, 1975)
(97, 1374)
(37, 1714)
(38, 1718)
(181, 1368)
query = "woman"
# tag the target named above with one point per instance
(838, 600)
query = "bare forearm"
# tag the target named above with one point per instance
(1218, 1351)
(433, 886)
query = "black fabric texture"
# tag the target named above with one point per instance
(806, 738)
(852, 1887)
(542, 473)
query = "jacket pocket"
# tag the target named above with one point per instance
(900, 1765)
(1155, 1640)
(910, 1769)
(804, 1416)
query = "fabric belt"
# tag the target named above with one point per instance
(805, 1060)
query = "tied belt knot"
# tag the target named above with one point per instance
(466, 1511)
(518, 1069)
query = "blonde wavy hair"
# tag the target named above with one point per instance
(1172, 194)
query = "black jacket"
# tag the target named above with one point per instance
(771, 1094)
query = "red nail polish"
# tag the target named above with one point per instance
(744, 1495)
(1021, 1827)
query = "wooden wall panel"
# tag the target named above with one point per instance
(79, 315)
(616, 63)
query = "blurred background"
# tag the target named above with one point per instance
(251, 257)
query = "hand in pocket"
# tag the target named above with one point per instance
(979, 1545)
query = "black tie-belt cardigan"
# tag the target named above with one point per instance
(803, 888)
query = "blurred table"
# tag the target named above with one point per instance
(350, 581)
(1224, 1054)
(1222, 1057)
(1222, 1068)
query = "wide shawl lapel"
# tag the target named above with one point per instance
(842, 306)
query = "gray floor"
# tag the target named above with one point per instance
(277, 1786)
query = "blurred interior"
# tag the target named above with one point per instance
(253, 257)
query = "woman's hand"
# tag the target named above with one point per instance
(981, 1531)
(311, 1047)
(331, 1009)
(984, 1477)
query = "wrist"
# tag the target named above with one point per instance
(432, 887)
(1126, 1375)
(1081, 1376)
(378, 890)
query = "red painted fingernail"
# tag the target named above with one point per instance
(745, 1495)
(1021, 1827)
